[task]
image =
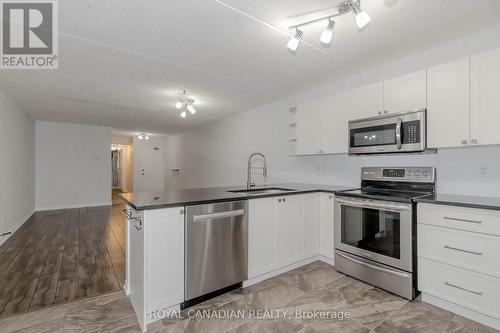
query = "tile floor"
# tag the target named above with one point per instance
(316, 286)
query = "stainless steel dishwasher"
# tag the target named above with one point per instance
(216, 249)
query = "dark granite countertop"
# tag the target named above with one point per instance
(491, 203)
(199, 196)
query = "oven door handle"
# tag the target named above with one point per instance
(398, 133)
(365, 204)
(372, 266)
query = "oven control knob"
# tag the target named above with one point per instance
(425, 173)
(365, 172)
(416, 173)
(409, 173)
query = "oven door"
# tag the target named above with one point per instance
(402, 132)
(375, 230)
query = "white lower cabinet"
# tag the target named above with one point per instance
(458, 267)
(326, 228)
(282, 231)
(155, 261)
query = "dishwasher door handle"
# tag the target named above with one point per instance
(221, 215)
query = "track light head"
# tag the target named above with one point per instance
(293, 44)
(191, 108)
(327, 34)
(179, 105)
(362, 18)
(183, 114)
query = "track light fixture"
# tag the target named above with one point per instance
(293, 44)
(143, 136)
(354, 6)
(185, 102)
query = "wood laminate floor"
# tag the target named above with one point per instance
(60, 256)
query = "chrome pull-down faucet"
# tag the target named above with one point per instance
(251, 184)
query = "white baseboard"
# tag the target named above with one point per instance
(285, 269)
(462, 311)
(41, 209)
(17, 226)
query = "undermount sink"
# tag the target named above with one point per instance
(269, 190)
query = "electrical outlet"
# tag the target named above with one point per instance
(483, 171)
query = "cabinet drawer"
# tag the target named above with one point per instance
(469, 219)
(465, 249)
(471, 290)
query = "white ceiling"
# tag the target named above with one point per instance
(122, 62)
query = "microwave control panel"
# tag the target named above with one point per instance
(411, 132)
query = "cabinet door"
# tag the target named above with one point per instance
(290, 230)
(335, 126)
(404, 93)
(367, 101)
(448, 91)
(311, 224)
(310, 117)
(485, 98)
(164, 229)
(326, 225)
(262, 237)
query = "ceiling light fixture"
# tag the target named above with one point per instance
(354, 6)
(185, 102)
(327, 34)
(293, 44)
(143, 136)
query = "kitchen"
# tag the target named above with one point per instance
(349, 184)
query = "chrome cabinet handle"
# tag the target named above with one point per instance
(462, 220)
(446, 283)
(398, 133)
(221, 215)
(462, 250)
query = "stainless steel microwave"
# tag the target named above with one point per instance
(392, 133)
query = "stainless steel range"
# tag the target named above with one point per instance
(375, 227)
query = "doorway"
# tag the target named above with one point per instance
(121, 172)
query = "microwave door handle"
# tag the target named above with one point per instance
(398, 133)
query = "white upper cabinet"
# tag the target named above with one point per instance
(448, 91)
(322, 125)
(485, 98)
(335, 124)
(309, 120)
(367, 101)
(404, 93)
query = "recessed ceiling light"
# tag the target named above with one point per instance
(293, 44)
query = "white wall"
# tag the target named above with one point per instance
(73, 165)
(216, 154)
(17, 166)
